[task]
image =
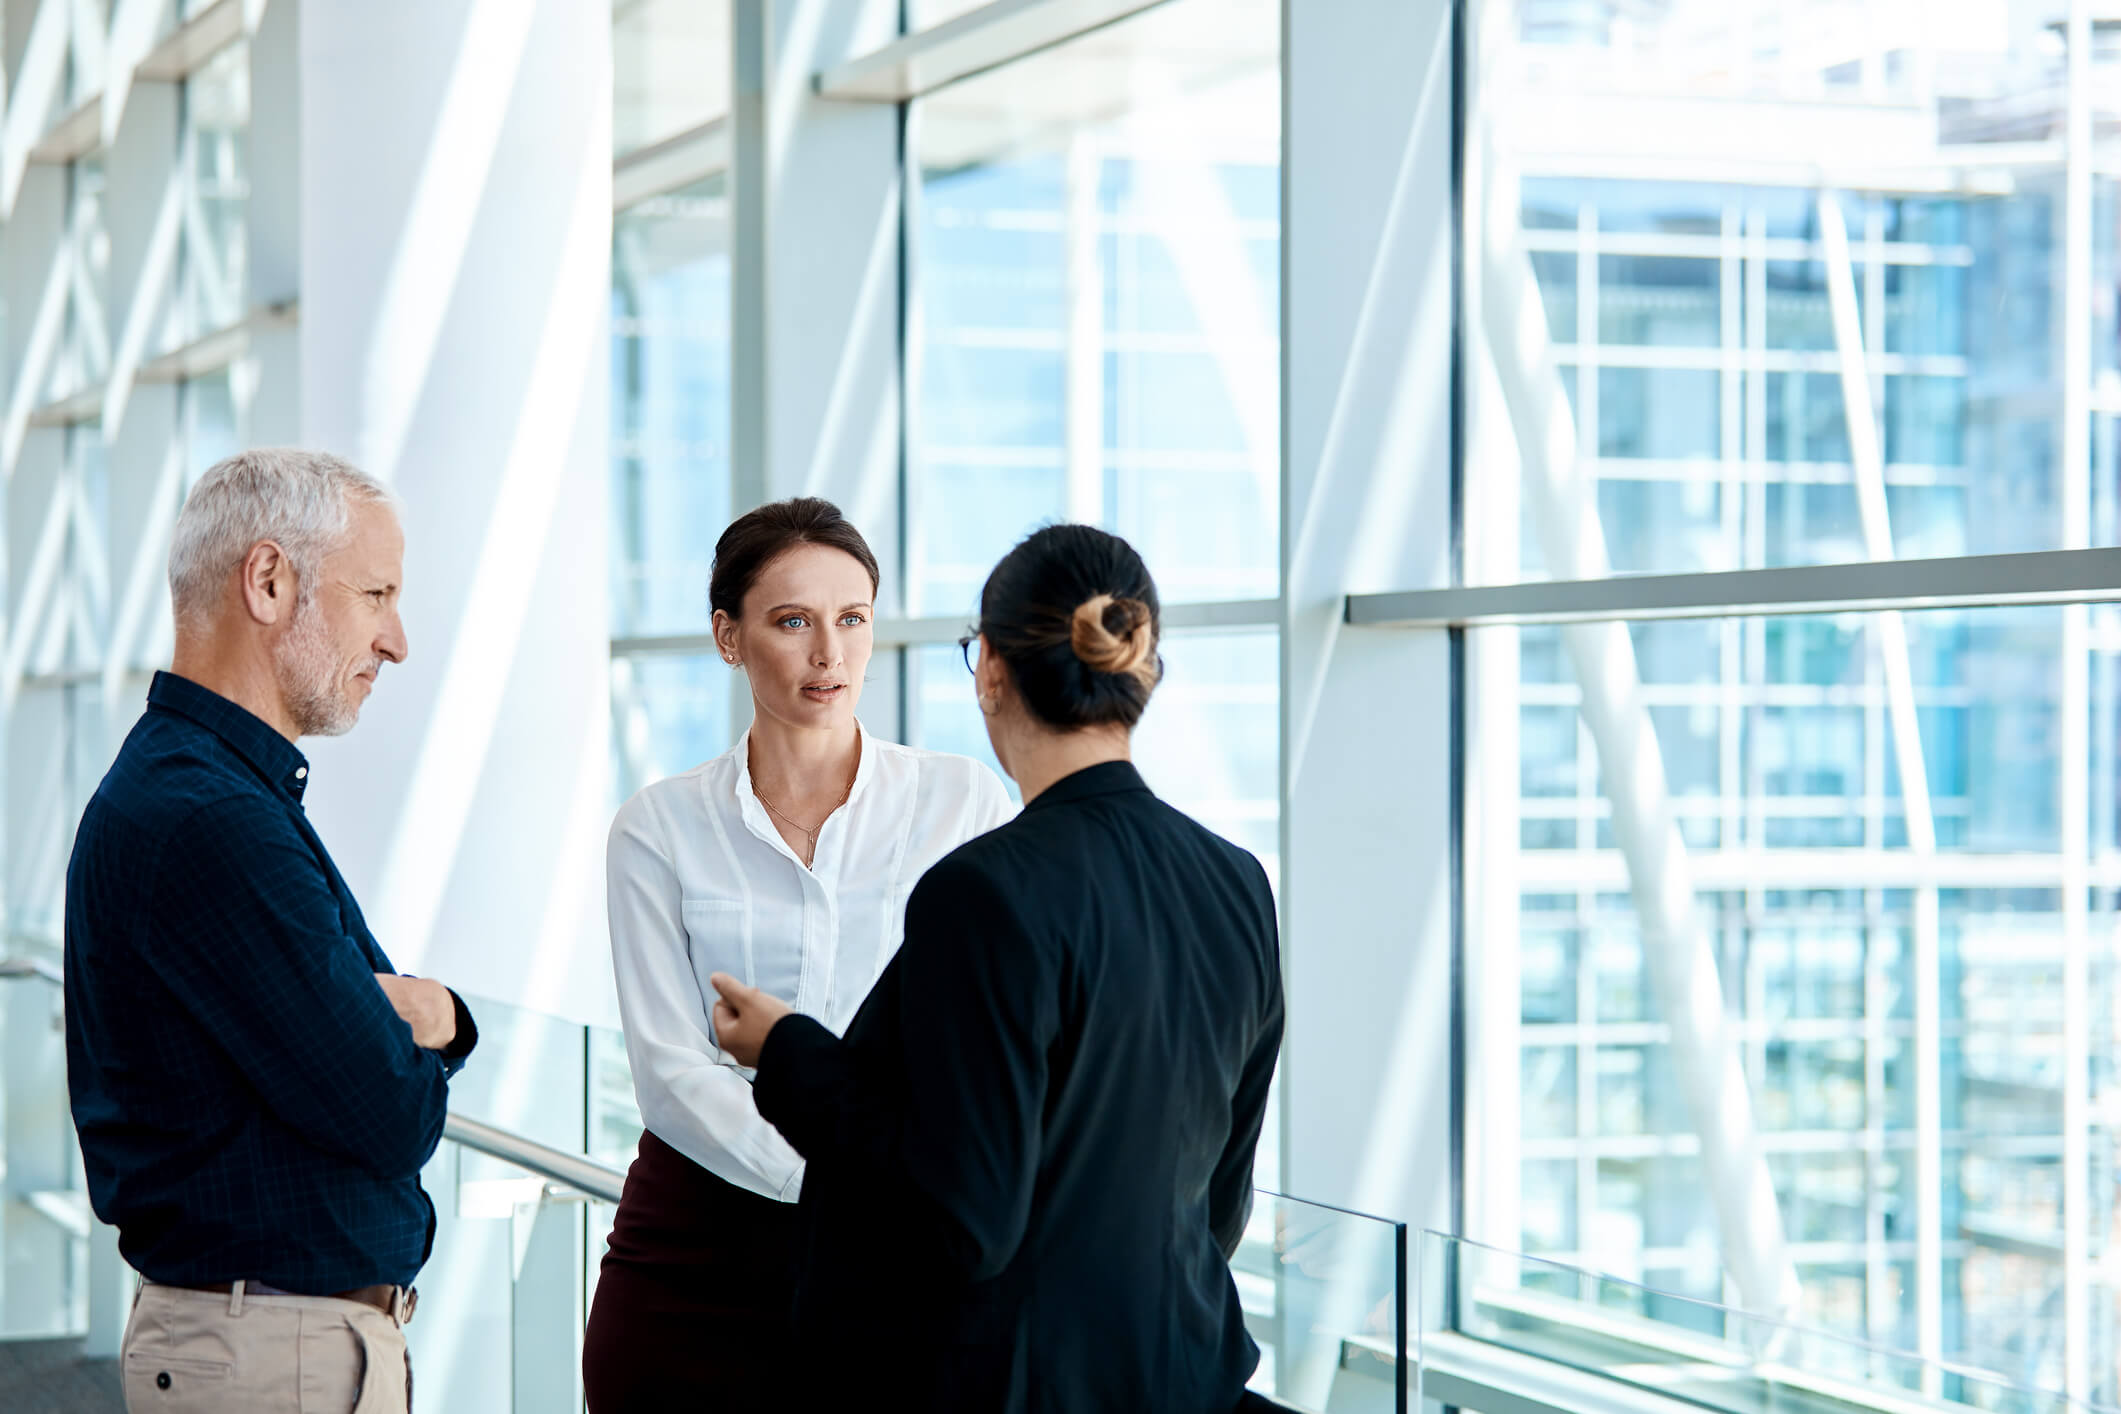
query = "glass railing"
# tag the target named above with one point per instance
(1624, 1334)
(44, 1213)
(507, 1291)
(520, 1232)
(1325, 1296)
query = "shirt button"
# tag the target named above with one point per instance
(162, 1380)
(301, 773)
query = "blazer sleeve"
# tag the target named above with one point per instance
(1230, 1188)
(947, 1118)
(691, 1096)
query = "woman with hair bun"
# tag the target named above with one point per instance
(1031, 1156)
(787, 859)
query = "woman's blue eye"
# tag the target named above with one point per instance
(853, 621)
(794, 621)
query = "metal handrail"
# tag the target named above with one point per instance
(41, 969)
(576, 1171)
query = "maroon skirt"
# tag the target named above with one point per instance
(693, 1298)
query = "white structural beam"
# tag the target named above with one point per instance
(454, 226)
(1366, 732)
(1221, 617)
(444, 211)
(2040, 577)
(675, 162)
(1888, 631)
(1678, 950)
(972, 43)
(2074, 486)
(205, 34)
(816, 196)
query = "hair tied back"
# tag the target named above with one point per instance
(1116, 635)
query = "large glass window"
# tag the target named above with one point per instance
(670, 68)
(213, 274)
(1780, 309)
(669, 472)
(1711, 332)
(1096, 241)
(1826, 919)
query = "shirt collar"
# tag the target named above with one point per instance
(271, 755)
(1105, 778)
(864, 766)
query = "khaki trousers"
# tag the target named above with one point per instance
(205, 1352)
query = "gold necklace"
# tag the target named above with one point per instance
(809, 834)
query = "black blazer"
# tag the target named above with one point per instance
(1031, 1156)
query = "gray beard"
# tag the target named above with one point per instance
(317, 700)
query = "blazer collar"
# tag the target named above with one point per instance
(1105, 778)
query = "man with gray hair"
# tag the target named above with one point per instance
(255, 1086)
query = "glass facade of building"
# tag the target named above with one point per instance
(1893, 954)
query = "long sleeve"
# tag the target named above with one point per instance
(691, 1096)
(254, 945)
(1230, 1187)
(973, 1016)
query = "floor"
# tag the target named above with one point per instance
(50, 1377)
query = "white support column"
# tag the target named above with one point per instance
(1860, 390)
(141, 425)
(2074, 488)
(454, 217)
(273, 224)
(1368, 312)
(816, 196)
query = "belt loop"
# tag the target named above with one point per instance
(235, 1298)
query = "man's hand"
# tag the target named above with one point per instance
(742, 1017)
(425, 1006)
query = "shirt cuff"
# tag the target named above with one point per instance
(467, 1036)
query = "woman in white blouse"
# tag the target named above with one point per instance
(785, 861)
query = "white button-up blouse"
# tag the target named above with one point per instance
(699, 882)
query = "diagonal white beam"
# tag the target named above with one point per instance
(36, 87)
(37, 584)
(43, 341)
(157, 264)
(89, 315)
(202, 256)
(142, 579)
(1889, 633)
(1868, 459)
(1678, 950)
(132, 35)
(91, 45)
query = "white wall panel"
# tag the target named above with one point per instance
(455, 211)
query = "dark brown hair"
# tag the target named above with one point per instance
(758, 538)
(1074, 614)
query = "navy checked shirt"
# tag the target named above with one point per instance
(250, 1105)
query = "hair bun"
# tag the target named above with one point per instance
(1115, 635)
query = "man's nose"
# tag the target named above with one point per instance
(391, 642)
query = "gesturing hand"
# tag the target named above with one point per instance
(742, 1017)
(425, 1006)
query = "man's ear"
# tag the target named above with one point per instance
(268, 583)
